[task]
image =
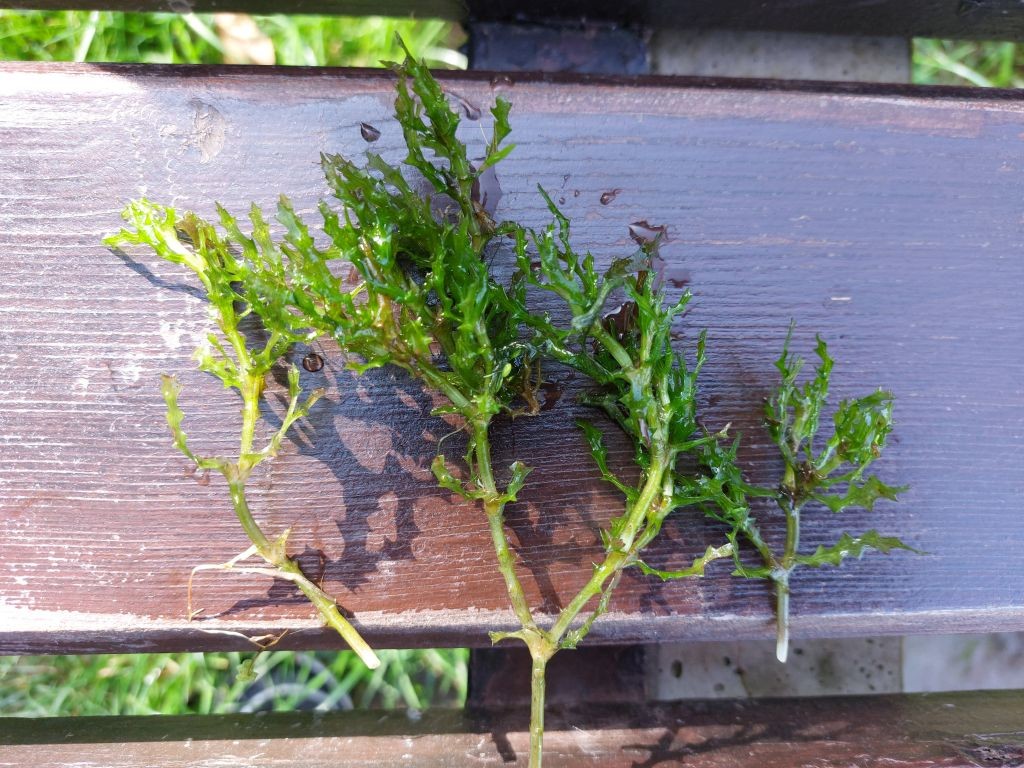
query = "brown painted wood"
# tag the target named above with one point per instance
(949, 730)
(890, 220)
(966, 19)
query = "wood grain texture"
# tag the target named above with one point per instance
(948, 730)
(890, 220)
(964, 19)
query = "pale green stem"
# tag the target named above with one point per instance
(615, 349)
(540, 648)
(616, 560)
(613, 561)
(537, 686)
(249, 524)
(543, 645)
(782, 618)
(496, 520)
(781, 579)
(328, 610)
(638, 513)
(274, 554)
(252, 388)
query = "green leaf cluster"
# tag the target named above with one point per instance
(224, 262)
(642, 384)
(233, 269)
(830, 470)
(421, 294)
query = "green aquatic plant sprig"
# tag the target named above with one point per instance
(223, 262)
(830, 471)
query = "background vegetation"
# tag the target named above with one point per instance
(208, 683)
(197, 683)
(357, 41)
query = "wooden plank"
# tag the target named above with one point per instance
(949, 730)
(965, 19)
(887, 219)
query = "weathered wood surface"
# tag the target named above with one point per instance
(949, 730)
(889, 220)
(967, 19)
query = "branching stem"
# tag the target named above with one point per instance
(495, 510)
(274, 552)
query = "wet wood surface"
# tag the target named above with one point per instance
(966, 19)
(888, 219)
(949, 730)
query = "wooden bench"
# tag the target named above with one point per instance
(888, 218)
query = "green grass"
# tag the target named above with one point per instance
(197, 683)
(949, 62)
(195, 38)
(364, 41)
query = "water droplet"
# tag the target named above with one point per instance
(368, 132)
(561, 201)
(502, 81)
(644, 233)
(486, 190)
(312, 362)
(622, 319)
(552, 394)
(609, 196)
(352, 277)
(470, 110)
(575, 193)
(678, 280)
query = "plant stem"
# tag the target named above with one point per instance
(543, 645)
(507, 564)
(328, 609)
(781, 579)
(782, 617)
(792, 513)
(496, 520)
(274, 552)
(649, 492)
(617, 559)
(537, 691)
(615, 349)
(612, 562)
(249, 524)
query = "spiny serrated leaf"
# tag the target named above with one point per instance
(861, 428)
(447, 480)
(852, 546)
(517, 481)
(860, 494)
(595, 440)
(696, 569)
(170, 388)
(501, 110)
